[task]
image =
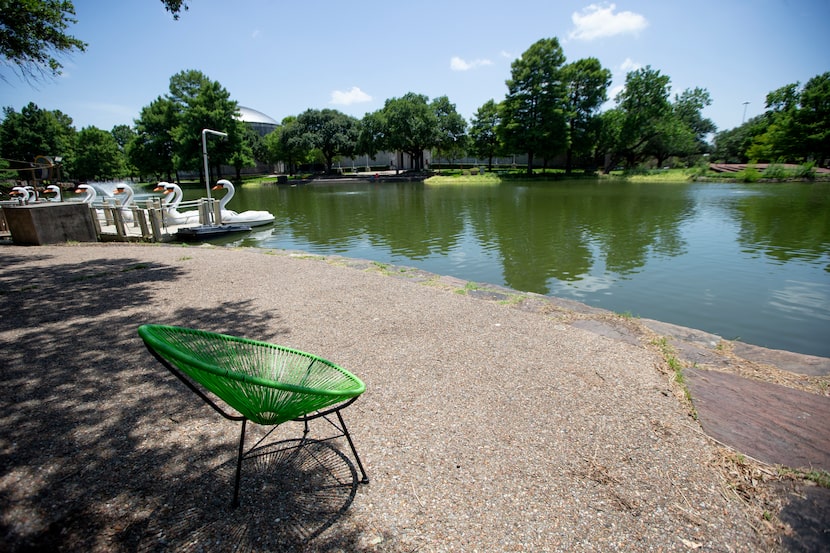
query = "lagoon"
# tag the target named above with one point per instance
(748, 262)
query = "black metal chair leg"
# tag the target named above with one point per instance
(235, 500)
(365, 479)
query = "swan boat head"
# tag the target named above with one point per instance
(54, 189)
(22, 192)
(89, 193)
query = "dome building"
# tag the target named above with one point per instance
(257, 120)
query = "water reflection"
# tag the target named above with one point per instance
(739, 261)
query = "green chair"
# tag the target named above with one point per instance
(264, 383)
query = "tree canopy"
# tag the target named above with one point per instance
(33, 35)
(794, 128)
(534, 110)
(35, 132)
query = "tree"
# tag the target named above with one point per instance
(451, 130)
(203, 104)
(152, 148)
(642, 107)
(245, 156)
(409, 126)
(331, 132)
(371, 135)
(814, 118)
(484, 137)
(288, 144)
(533, 118)
(795, 127)
(682, 131)
(731, 146)
(97, 156)
(36, 132)
(688, 107)
(586, 87)
(33, 35)
(123, 135)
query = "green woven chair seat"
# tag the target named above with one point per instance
(266, 383)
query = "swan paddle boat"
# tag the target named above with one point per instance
(172, 198)
(251, 217)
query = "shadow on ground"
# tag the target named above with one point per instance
(103, 449)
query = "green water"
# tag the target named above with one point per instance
(748, 262)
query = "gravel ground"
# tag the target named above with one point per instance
(486, 425)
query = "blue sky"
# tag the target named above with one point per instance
(284, 57)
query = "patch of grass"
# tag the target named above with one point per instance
(513, 299)
(662, 175)
(469, 287)
(384, 268)
(820, 477)
(677, 368)
(486, 178)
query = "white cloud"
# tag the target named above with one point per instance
(599, 20)
(255, 34)
(458, 64)
(349, 97)
(629, 65)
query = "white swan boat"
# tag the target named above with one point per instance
(172, 198)
(251, 217)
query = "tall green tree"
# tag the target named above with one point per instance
(781, 138)
(814, 118)
(534, 110)
(288, 144)
(484, 136)
(794, 128)
(36, 132)
(204, 104)
(410, 126)
(732, 145)
(152, 148)
(641, 108)
(371, 136)
(451, 132)
(33, 35)
(245, 155)
(97, 156)
(331, 132)
(123, 135)
(586, 89)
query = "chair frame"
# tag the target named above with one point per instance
(242, 454)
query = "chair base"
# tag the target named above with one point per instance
(339, 425)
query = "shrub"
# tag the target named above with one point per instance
(750, 174)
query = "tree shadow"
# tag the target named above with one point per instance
(96, 432)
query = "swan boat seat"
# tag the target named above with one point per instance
(261, 382)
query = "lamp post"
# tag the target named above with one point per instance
(205, 132)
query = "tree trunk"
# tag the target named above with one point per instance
(530, 163)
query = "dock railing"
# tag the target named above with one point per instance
(148, 222)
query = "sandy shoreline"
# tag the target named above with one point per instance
(501, 425)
